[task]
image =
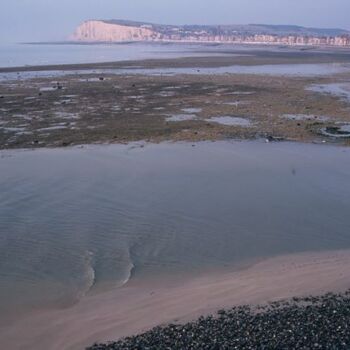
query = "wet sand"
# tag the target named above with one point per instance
(141, 305)
(87, 110)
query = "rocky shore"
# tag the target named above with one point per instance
(300, 323)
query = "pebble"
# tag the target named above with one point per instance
(300, 323)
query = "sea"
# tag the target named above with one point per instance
(35, 54)
(88, 219)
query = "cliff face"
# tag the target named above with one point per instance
(119, 31)
(101, 31)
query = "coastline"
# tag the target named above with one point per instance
(100, 107)
(312, 322)
(140, 306)
(135, 100)
(209, 58)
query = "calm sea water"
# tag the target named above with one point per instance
(49, 54)
(13, 55)
(81, 220)
(289, 70)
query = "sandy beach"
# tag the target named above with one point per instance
(140, 306)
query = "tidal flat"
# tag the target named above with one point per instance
(56, 106)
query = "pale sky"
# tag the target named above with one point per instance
(39, 20)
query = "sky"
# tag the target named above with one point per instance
(54, 20)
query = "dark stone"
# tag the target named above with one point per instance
(301, 323)
(270, 138)
(336, 131)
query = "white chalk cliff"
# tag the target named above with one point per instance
(121, 31)
(101, 31)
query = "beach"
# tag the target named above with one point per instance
(127, 233)
(146, 191)
(137, 308)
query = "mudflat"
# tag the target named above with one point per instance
(54, 106)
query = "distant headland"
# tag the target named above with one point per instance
(122, 30)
